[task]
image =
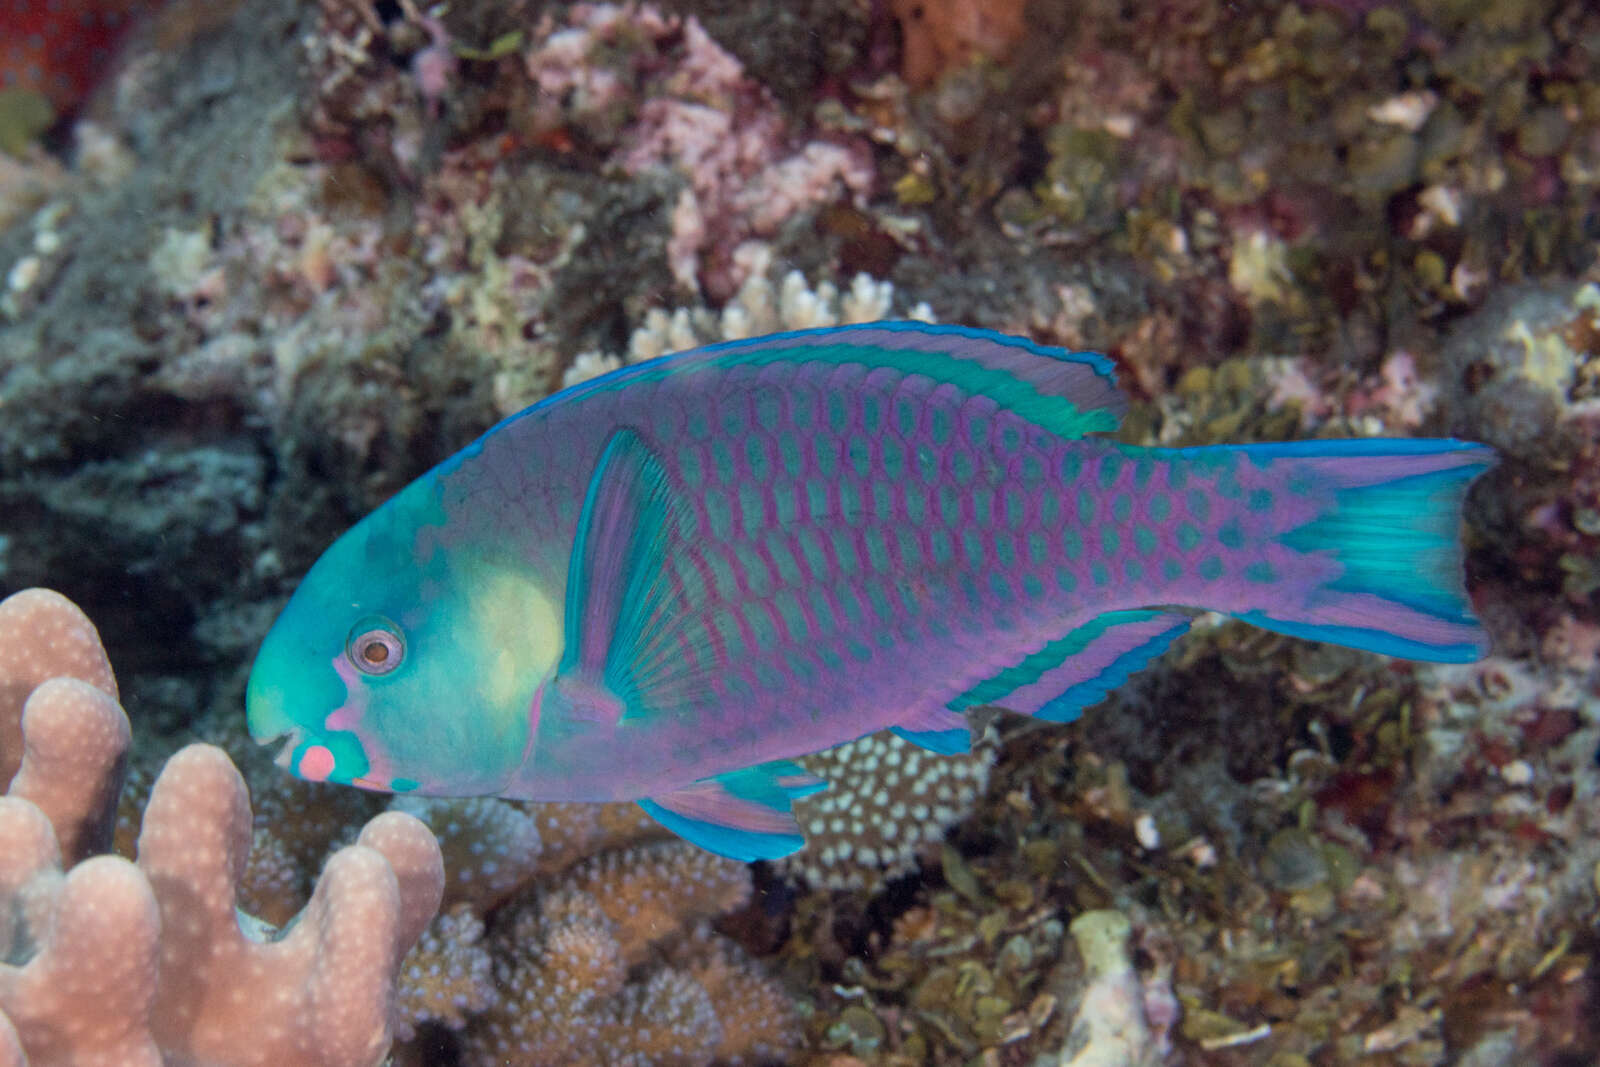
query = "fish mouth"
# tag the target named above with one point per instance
(289, 740)
(266, 714)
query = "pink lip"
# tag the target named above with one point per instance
(316, 764)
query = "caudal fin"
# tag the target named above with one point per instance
(1384, 567)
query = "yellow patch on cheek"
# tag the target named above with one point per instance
(519, 627)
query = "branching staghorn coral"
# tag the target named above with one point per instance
(447, 977)
(570, 965)
(109, 962)
(604, 955)
(491, 848)
(575, 934)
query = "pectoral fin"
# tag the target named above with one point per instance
(624, 608)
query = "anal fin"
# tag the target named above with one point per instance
(1079, 668)
(745, 815)
(938, 730)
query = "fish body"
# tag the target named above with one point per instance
(664, 584)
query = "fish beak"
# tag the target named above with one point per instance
(268, 697)
(265, 713)
(285, 754)
(270, 723)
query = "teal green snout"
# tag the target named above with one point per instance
(265, 701)
(290, 693)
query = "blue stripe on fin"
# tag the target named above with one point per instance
(937, 729)
(745, 814)
(745, 846)
(1075, 665)
(1470, 452)
(951, 742)
(1092, 690)
(1381, 641)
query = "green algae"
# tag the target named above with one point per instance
(24, 115)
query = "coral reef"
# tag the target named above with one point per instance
(319, 993)
(567, 970)
(758, 307)
(114, 962)
(296, 254)
(941, 35)
(886, 801)
(1109, 1028)
(447, 977)
(596, 954)
(492, 848)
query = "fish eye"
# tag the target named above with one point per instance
(375, 646)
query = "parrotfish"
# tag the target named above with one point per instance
(664, 584)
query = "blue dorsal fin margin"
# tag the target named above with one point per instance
(1067, 393)
(953, 742)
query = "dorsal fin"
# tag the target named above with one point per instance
(1070, 394)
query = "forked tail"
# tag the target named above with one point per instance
(1378, 565)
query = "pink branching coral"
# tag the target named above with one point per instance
(43, 635)
(320, 993)
(119, 963)
(76, 737)
(85, 994)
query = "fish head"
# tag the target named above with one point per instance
(380, 672)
